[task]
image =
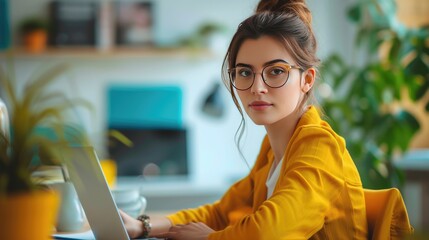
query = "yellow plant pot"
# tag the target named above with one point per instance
(29, 215)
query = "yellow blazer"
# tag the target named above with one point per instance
(318, 195)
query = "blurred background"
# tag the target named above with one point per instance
(151, 70)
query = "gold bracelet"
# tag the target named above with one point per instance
(145, 219)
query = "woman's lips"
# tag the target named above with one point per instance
(260, 105)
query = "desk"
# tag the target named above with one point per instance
(84, 233)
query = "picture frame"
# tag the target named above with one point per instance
(134, 23)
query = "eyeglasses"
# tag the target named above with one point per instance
(274, 76)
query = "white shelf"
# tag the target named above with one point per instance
(114, 53)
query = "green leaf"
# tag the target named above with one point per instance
(425, 47)
(4, 145)
(362, 36)
(395, 49)
(414, 84)
(374, 40)
(417, 66)
(398, 177)
(8, 85)
(408, 119)
(368, 169)
(406, 48)
(423, 88)
(379, 13)
(354, 13)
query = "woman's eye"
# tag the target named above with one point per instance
(276, 71)
(244, 72)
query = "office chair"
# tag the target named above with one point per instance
(386, 214)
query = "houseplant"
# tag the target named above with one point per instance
(34, 34)
(27, 210)
(208, 35)
(375, 103)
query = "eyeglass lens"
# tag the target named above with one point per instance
(274, 76)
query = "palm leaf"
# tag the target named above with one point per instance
(7, 83)
(35, 109)
(4, 146)
(37, 86)
(46, 114)
(50, 97)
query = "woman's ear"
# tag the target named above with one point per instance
(308, 78)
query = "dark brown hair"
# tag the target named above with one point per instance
(289, 22)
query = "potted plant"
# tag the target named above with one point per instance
(28, 210)
(34, 32)
(208, 35)
(379, 106)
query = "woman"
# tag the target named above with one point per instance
(304, 183)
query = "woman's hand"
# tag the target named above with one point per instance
(133, 226)
(191, 231)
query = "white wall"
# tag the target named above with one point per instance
(214, 157)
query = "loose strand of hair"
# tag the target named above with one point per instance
(242, 126)
(238, 137)
(240, 130)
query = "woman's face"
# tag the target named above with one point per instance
(263, 104)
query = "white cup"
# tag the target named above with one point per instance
(136, 208)
(70, 216)
(129, 201)
(125, 195)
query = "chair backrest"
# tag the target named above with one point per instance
(386, 214)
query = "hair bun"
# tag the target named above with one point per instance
(297, 7)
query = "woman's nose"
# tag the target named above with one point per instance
(259, 85)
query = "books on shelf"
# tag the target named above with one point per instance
(73, 23)
(102, 24)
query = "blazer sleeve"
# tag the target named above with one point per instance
(238, 196)
(312, 177)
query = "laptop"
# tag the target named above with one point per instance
(85, 173)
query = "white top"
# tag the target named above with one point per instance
(273, 176)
